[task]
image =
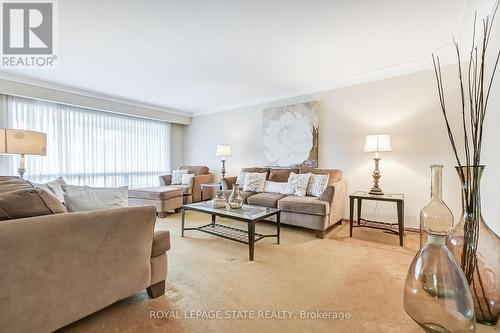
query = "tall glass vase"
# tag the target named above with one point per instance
(435, 211)
(477, 248)
(436, 293)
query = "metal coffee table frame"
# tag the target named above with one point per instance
(238, 235)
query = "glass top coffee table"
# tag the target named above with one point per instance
(247, 213)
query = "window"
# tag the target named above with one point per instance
(90, 147)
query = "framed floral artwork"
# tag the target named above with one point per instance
(290, 135)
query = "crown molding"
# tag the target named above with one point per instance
(414, 66)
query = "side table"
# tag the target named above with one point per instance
(394, 197)
(209, 185)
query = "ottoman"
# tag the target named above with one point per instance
(164, 198)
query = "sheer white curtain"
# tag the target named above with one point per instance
(90, 147)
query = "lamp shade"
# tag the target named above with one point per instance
(378, 143)
(22, 142)
(223, 150)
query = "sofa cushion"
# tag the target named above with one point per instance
(306, 205)
(265, 199)
(56, 187)
(317, 184)
(254, 182)
(275, 187)
(19, 199)
(280, 175)
(161, 243)
(177, 176)
(297, 184)
(246, 194)
(86, 198)
(196, 169)
(335, 174)
(257, 169)
(187, 179)
(156, 193)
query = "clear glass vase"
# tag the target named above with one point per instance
(477, 248)
(219, 201)
(436, 293)
(235, 199)
(436, 212)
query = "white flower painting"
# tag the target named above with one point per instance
(290, 135)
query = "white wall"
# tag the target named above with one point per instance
(176, 145)
(405, 106)
(491, 150)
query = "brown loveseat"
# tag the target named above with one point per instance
(310, 212)
(58, 267)
(192, 191)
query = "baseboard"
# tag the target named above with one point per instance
(408, 229)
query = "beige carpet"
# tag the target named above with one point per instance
(361, 277)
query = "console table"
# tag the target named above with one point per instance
(394, 197)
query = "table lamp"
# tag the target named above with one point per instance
(223, 151)
(376, 143)
(22, 142)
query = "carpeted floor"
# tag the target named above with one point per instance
(359, 279)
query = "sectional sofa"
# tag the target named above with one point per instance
(316, 213)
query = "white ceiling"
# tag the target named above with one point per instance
(204, 56)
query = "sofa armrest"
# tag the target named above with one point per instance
(97, 257)
(328, 194)
(161, 243)
(337, 201)
(228, 182)
(165, 180)
(197, 181)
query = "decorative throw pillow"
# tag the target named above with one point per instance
(186, 178)
(241, 178)
(83, 198)
(20, 199)
(317, 185)
(255, 182)
(275, 187)
(56, 187)
(297, 184)
(177, 176)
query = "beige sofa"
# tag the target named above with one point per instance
(192, 191)
(319, 214)
(58, 267)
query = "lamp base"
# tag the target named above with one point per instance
(376, 190)
(22, 163)
(223, 171)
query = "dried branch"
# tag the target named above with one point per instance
(439, 79)
(478, 90)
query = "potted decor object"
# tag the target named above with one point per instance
(436, 293)
(475, 246)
